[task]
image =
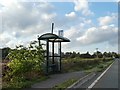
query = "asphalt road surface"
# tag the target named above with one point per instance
(110, 78)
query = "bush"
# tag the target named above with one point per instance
(26, 63)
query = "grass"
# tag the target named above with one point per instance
(23, 84)
(64, 85)
(79, 64)
(99, 68)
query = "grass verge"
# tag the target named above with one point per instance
(22, 84)
(64, 85)
(99, 68)
(97, 64)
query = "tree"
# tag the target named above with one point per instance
(109, 54)
(86, 55)
(67, 54)
(73, 55)
(5, 52)
(98, 54)
(78, 54)
(114, 54)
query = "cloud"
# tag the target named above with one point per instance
(71, 33)
(5, 38)
(83, 7)
(74, 32)
(98, 35)
(23, 21)
(47, 17)
(71, 15)
(107, 20)
(79, 5)
(24, 14)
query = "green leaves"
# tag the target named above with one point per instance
(25, 60)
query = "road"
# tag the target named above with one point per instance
(58, 79)
(108, 80)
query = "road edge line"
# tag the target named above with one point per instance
(79, 80)
(93, 84)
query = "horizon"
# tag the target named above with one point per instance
(73, 51)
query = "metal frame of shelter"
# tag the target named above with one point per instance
(53, 38)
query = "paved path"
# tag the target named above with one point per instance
(57, 79)
(110, 78)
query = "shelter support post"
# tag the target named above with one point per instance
(53, 62)
(47, 58)
(60, 57)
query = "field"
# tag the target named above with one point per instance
(85, 64)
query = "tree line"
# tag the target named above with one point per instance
(97, 54)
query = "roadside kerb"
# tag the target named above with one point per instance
(82, 80)
(93, 84)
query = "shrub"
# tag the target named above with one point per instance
(25, 63)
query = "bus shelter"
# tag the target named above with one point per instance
(52, 38)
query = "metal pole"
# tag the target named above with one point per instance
(60, 58)
(52, 48)
(39, 43)
(53, 55)
(60, 33)
(53, 52)
(38, 40)
(52, 27)
(47, 61)
(97, 52)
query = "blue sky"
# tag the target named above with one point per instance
(88, 25)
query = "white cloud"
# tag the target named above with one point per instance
(23, 21)
(106, 20)
(76, 30)
(82, 5)
(7, 3)
(48, 17)
(98, 35)
(23, 14)
(70, 33)
(71, 15)
(88, 21)
(5, 38)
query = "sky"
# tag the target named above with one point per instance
(88, 25)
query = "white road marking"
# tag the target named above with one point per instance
(80, 80)
(93, 84)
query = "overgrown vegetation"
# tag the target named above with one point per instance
(100, 67)
(25, 65)
(87, 55)
(84, 64)
(64, 85)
